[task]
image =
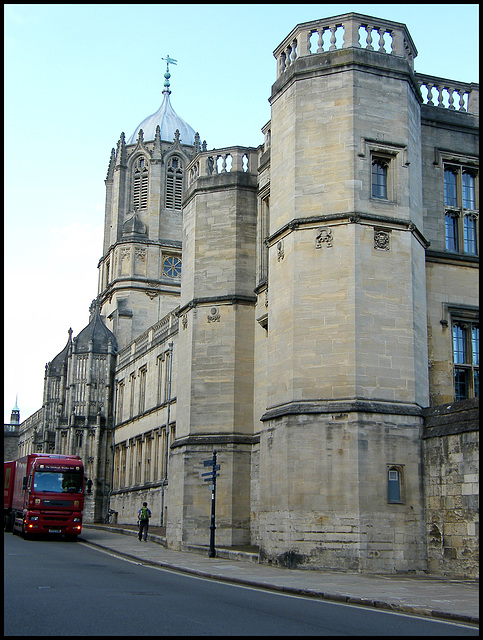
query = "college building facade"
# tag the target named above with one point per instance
(307, 308)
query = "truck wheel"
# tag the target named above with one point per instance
(8, 523)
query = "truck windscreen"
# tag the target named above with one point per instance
(58, 481)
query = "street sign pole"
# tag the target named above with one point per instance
(212, 475)
(212, 552)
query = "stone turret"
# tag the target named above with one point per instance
(145, 184)
(347, 341)
(215, 399)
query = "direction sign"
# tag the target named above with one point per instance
(210, 463)
(212, 473)
(211, 476)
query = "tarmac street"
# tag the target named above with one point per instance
(56, 588)
(421, 595)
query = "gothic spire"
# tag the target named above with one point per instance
(112, 162)
(121, 155)
(197, 143)
(157, 144)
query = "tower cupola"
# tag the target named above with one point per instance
(15, 415)
(166, 117)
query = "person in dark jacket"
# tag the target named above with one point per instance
(143, 518)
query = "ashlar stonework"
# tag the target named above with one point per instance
(303, 308)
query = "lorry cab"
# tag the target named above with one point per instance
(48, 495)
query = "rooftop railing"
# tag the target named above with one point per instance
(354, 30)
(208, 163)
(351, 30)
(449, 94)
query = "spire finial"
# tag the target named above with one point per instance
(15, 415)
(112, 162)
(167, 75)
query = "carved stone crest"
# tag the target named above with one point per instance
(214, 315)
(381, 240)
(324, 234)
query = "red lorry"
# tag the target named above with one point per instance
(44, 493)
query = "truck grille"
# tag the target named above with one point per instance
(57, 503)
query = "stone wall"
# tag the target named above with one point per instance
(450, 463)
(215, 349)
(10, 442)
(323, 493)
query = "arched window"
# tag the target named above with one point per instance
(174, 183)
(379, 178)
(140, 184)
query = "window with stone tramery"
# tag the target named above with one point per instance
(466, 358)
(461, 208)
(172, 266)
(140, 184)
(174, 183)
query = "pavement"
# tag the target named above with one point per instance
(442, 598)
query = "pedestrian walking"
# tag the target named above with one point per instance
(143, 518)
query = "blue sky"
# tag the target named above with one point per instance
(77, 75)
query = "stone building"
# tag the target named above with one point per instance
(77, 414)
(11, 435)
(299, 308)
(451, 463)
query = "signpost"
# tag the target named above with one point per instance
(212, 476)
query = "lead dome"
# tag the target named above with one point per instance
(167, 119)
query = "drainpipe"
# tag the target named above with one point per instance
(165, 480)
(112, 448)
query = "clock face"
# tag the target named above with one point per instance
(172, 267)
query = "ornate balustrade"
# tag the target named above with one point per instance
(350, 30)
(449, 94)
(163, 329)
(160, 329)
(207, 163)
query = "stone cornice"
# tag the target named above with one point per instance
(140, 240)
(210, 300)
(347, 218)
(213, 439)
(342, 60)
(446, 257)
(341, 406)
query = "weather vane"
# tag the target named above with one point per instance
(167, 75)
